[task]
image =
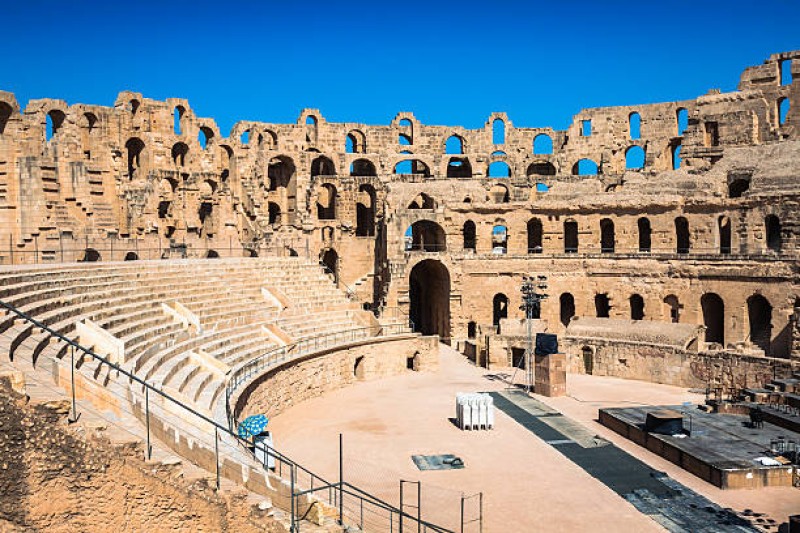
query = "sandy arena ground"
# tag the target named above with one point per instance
(527, 484)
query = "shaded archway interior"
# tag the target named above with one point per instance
(429, 294)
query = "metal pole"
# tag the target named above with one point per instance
(293, 523)
(530, 352)
(147, 420)
(480, 512)
(216, 453)
(341, 479)
(72, 383)
(419, 506)
(462, 513)
(400, 514)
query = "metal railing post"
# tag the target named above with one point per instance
(480, 512)
(341, 480)
(462, 514)
(74, 417)
(149, 451)
(293, 522)
(419, 506)
(216, 453)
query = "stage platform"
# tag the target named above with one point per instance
(720, 448)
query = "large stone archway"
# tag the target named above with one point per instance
(429, 292)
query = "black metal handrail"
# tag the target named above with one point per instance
(248, 444)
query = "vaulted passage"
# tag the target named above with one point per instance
(759, 313)
(429, 293)
(713, 317)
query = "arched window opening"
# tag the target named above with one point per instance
(499, 308)
(586, 128)
(90, 255)
(635, 125)
(470, 235)
(472, 329)
(567, 308)
(535, 234)
(637, 307)
(422, 201)
(322, 166)
(602, 305)
(427, 236)
(634, 158)
(413, 167)
(645, 235)
(738, 186)
(499, 194)
(131, 256)
(673, 308)
(89, 118)
(355, 143)
(676, 157)
(326, 202)
(134, 147)
(268, 139)
(362, 167)
(498, 131)
(499, 169)
(773, 228)
(607, 236)
(786, 72)
(682, 119)
(541, 169)
(759, 314)
(133, 106)
(55, 119)
(570, 237)
(274, 213)
(365, 211)
(682, 238)
(177, 120)
(724, 230)
(542, 144)
(499, 240)
(404, 140)
(454, 145)
(179, 151)
(783, 110)
(244, 138)
(204, 213)
(204, 136)
(713, 318)
(459, 167)
(585, 167)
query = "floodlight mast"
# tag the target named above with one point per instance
(531, 304)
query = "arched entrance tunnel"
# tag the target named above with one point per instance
(429, 292)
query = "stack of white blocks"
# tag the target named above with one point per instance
(474, 410)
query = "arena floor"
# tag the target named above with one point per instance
(527, 484)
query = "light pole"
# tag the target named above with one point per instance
(532, 304)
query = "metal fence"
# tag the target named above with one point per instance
(147, 402)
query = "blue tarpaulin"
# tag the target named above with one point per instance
(252, 426)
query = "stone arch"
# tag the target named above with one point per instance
(329, 259)
(499, 193)
(683, 241)
(541, 168)
(204, 136)
(428, 236)
(90, 255)
(362, 168)
(535, 236)
(134, 148)
(5, 116)
(412, 166)
(454, 145)
(54, 120)
(322, 166)
(542, 144)
(356, 142)
(645, 234)
(570, 236)
(607, 236)
(499, 308)
(713, 309)
(326, 201)
(673, 307)
(470, 235)
(602, 305)
(634, 158)
(429, 297)
(759, 317)
(724, 234)
(634, 126)
(422, 201)
(179, 152)
(636, 303)
(459, 167)
(566, 308)
(774, 237)
(585, 167)
(499, 169)
(131, 256)
(366, 210)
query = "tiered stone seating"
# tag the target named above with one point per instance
(126, 299)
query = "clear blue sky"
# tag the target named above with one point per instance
(449, 63)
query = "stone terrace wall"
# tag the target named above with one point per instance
(300, 380)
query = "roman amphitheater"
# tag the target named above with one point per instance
(161, 281)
